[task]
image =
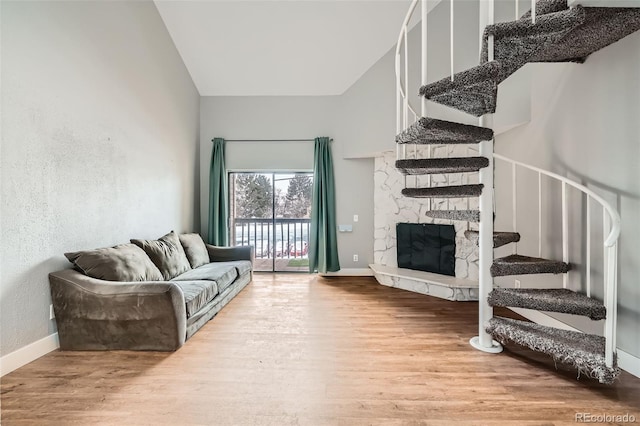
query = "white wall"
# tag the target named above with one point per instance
(99, 137)
(585, 125)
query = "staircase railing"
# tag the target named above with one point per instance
(406, 114)
(610, 235)
(403, 105)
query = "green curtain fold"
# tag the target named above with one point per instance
(218, 206)
(323, 242)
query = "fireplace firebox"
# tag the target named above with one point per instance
(427, 247)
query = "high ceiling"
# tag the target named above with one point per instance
(281, 48)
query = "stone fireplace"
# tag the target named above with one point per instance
(391, 208)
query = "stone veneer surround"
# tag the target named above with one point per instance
(390, 208)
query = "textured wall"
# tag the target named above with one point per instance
(99, 133)
(584, 126)
(392, 208)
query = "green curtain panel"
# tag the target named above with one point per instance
(218, 214)
(323, 242)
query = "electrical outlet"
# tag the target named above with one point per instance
(517, 283)
(52, 314)
(355, 218)
(355, 257)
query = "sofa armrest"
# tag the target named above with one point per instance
(227, 254)
(94, 314)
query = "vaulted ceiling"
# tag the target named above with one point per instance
(281, 48)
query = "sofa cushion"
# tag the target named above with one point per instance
(222, 273)
(195, 249)
(243, 266)
(125, 262)
(167, 254)
(197, 294)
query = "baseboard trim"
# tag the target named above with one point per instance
(629, 363)
(349, 272)
(626, 361)
(25, 355)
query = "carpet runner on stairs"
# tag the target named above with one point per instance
(433, 131)
(456, 191)
(602, 26)
(461, 215)
(499, 238)
(516, 42)
(473, 91)
(424, 166)
(583, 351)
(549, 300)
(516, 264)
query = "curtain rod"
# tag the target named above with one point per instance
(271, 140)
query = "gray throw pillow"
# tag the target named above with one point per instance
(195, 249)
(125, 262)
(167, 254)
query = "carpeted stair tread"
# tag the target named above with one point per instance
(473, 91)
(433, 131)
(454, 191)
(423, 166)
(544, 7)
(518, 42)
(585, 352)
(461, 215)
(516, 264)
(499, 238)
(602, 26)
(549, 300)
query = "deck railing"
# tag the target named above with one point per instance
(291, 236)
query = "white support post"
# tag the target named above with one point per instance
(517, 10)
(588, 254)
(533, 11)
(406, 93)
(605, 260)
(451, 30)
(565, 233)
(539, 214)
(398, 104)
(611, 306)
(483, 341)
(406, 79)
(423, 70)
(514, 206)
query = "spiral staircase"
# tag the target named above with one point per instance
(550, 32)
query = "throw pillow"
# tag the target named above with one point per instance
(167, 254)
(125, 262)
(195, 249)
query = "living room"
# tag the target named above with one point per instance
(106, 136)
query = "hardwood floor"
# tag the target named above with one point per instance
(297, 349)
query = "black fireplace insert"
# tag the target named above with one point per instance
(427, 247)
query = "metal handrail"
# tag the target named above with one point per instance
(611, 220)
(612, 238)
(402, 92)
